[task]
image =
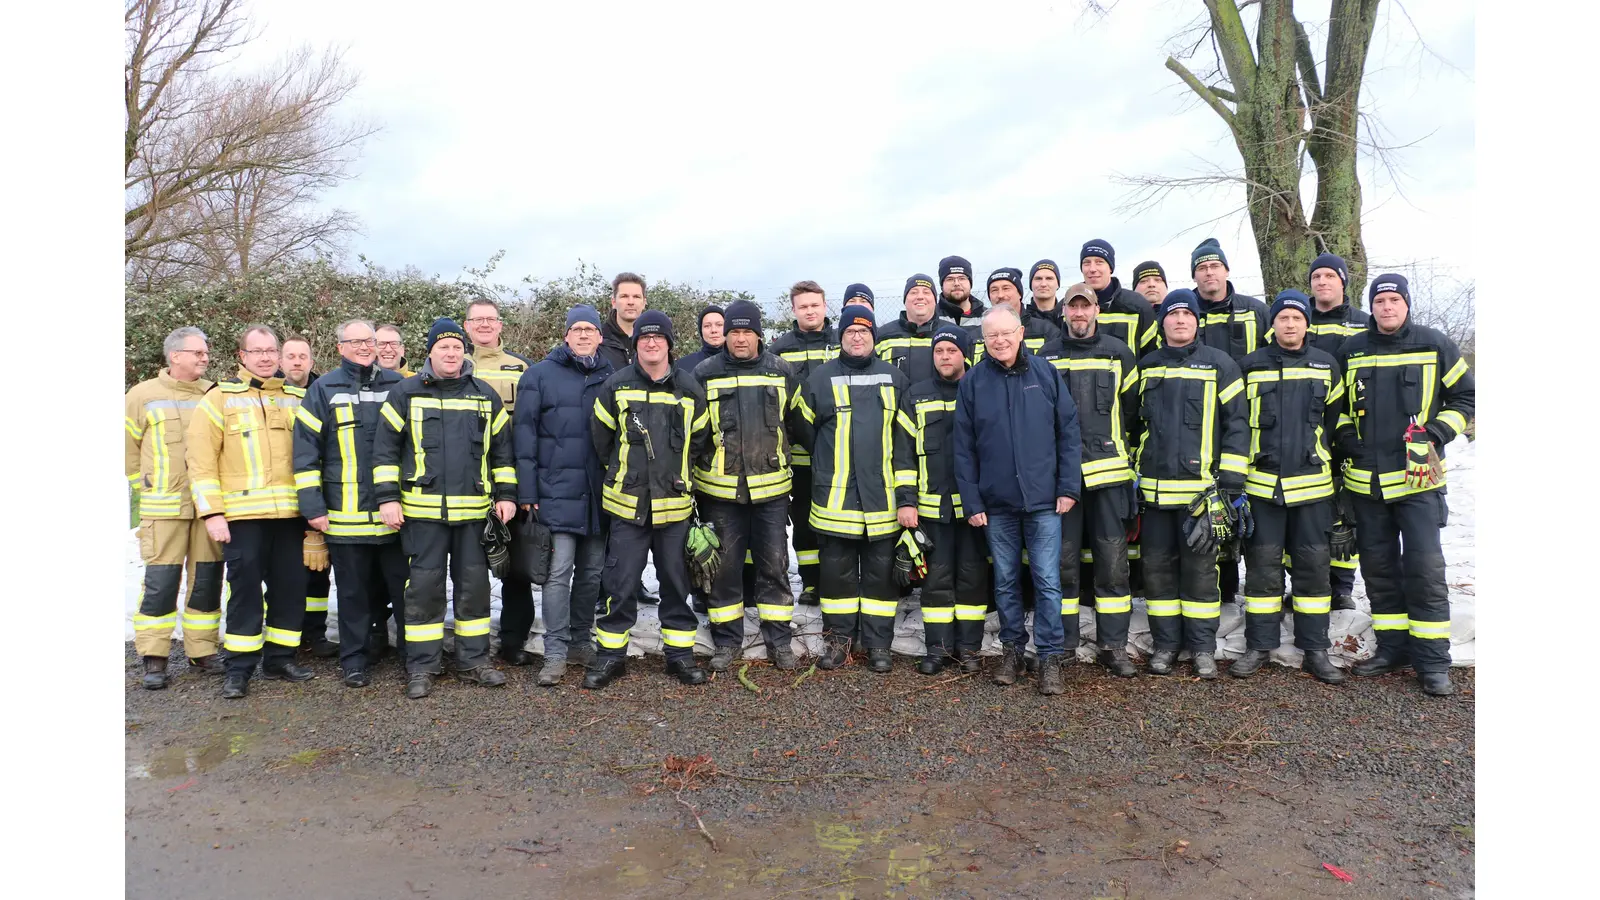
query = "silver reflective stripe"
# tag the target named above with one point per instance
(363, 397)
(253, 402)
(171, 404)
(862, 380)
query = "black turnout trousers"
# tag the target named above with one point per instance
(858, 593)
(429, 547)
(1402, 563)
(955, 592)
(753, 531)
(1180, 585)
(627, 548)
(1303, 532)
(360, 569)
(271, 551)
(1098, 521)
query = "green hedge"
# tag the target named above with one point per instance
(312, 297)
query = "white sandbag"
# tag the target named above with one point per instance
(1463, 621)
(1464, 654)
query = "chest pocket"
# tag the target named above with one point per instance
(430, 426)
(172, 427)
(772, 407)
(727, 410)
(1194, 404)
(241, 420)
(1411, 389)
(1264, 405)
(935, 426)
(1105, 392)
(1317, 391)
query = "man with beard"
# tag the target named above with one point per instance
(907, 343)
(1124, 315)
(956, 302)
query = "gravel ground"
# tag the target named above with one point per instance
(844, 785)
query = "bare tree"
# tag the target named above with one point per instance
(1281, 104)
(1441, 300)
(221, 171)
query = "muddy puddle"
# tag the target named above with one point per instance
(190, 757)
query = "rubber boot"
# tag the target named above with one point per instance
(155, 673)
(1321, 667)
(1248, 664)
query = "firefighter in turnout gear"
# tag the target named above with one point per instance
(857, 488)
(333, 435)
(240, 452)
(1293, 391)
(1124, 315)
(1104, 380)
(955, 592)
(172, 540)
(442, 464)
(1195, 438)
(907, 342)
(1408, 393)
(502, 370)
(1005, 289)
(650, 426)
(956, 303)
(757, 413)
(805, 347)
(1333, 320)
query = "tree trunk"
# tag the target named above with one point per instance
(1281, 111)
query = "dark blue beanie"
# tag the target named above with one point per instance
(1290, 299)
(446, 328)
(1048, 265)
(653, 321)
(1101, 248)
(859, 291)
(1209, 249)
(856, 314)
(1008, 273)
(700, 322)
(1330, 261)
(1182, 298)
(1390, 282)
(954, 265)
(954, 335)
(742, 314)
(582, 313)
(917, 279)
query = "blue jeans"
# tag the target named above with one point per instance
(1040, 532)
(572, 591)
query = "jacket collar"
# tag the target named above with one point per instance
(275, 383)
(198, 386)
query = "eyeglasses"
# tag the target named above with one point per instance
(999, 334)
(388, 345)
(202, 354)
(483, 320)
(269, 352)
(360, 342)
(583, 330)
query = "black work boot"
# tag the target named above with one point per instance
(1321, 667)
(880, 660)
(208, 665)
(808, 597)
(686, 671)
(155, 673)
(486, 675)
(835, 655)
(1386, 660)
(514, 655)
(357, 678)
(581, 653)
(1205, 666)
(418, 685)
(1342, 601)
(288, 670)
(1116, 659)
(782, 656)
(1162, 661)
(1436, 684)
(1050, 682)
(971, 662)
(321, 647)
(1010, 664)
(722, 659)
(1248, 664)
(604, 671)
(235, 685)
(933, 663)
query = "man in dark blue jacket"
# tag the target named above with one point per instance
(558, 479)
(1017, 469)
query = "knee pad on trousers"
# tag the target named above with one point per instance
(160, 590)
(474, 585)
(424, 596)
(206, 594)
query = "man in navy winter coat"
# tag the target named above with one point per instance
(558, 479)
(1017, 469)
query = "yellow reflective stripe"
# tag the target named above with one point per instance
(505, 475)
(349, 464)
(1196, 610)
(1431, 630)
(938, 615)
(304, 417)
(1263, 605)
(1390, 621)
(1455, 373)
(482, 405)
(1454, 419)
(773, 612)
(720, 614)
(674, 637)
(245, 643)
(193, 621)
(1161, 607)
(133, 428)
(870, 607)
(841, 606)
(809, 557)
(1351, 563)
(1111, 605)
(316, 604)
(967, 613)
(1069, 607)
(1230, 392)
(303, 480)
(1312, 605)
(500, 421)
(145, 623)
(1415, 358)
(385, 474)
(605, 417)
(611, 640)
(283, 637)
(433, 631)
(472, 627)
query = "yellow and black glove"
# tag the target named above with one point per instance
(314, 552)
(1423, 467)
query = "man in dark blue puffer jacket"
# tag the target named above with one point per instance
(558, 475)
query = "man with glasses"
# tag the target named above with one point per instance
(391, 356)
(501, 370)
(334, 430)
(172, 540)
(392, 350)
(240, 454)
(1017, 459)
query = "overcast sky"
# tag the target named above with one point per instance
(736, 147)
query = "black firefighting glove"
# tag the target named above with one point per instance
(1207, 526)
(1242, 523)
(703, 551)
(911, 557)
(1342, 536)
(1423, 466)
(496, 543)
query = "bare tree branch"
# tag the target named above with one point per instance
(1205, 93)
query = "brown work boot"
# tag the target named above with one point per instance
(1050, 681)
(1010, 664)
(155, 673)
